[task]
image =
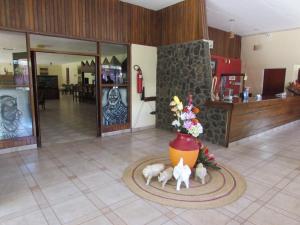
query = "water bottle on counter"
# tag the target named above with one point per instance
(258, 97)
(246, 94)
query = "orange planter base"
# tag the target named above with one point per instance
(189, 157)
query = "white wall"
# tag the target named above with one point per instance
(276, 50)
(6, 66)
(73, 72)
(146, 58)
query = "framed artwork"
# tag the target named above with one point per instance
(15, 113)
(213, 66)
(114, 106)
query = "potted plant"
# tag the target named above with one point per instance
(185, 145)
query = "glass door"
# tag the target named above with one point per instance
(15, 102)
(115, 87)
(74, 64)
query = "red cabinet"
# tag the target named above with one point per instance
(227, 65)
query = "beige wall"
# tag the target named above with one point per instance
(60, 71)
(8, 66)
(146, 58)
(73, 72)
(276, 50)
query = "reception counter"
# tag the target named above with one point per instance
(229, 122)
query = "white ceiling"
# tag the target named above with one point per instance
(253, 16)
(250, 16)
(58, 59)
(153, 4)
(11, 42)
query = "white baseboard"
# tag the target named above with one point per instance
(17, 149)
(116, 132)
(142, 128)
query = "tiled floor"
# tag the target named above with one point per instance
(76, 121)
(80, 183)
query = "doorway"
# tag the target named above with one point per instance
(274, 80)
(66, 97)
(66, 88)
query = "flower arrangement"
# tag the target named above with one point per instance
(206, 158)
(186, 121)
(294, 87)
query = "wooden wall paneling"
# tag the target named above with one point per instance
(107, 20)
(16, 14)
(136, 25)
(183, 22)
(156, 29)
(124, 23)
(2, 13)
(223, 45)
(204, 20)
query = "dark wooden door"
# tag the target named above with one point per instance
(274, 80)
(35, 94)
(299, 75)
(67, 75)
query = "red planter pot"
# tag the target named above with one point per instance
(184, 146)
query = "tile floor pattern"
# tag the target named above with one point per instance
(80, 183)
(77, 121)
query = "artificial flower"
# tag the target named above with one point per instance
(187, 124)
(180, 106)
(176, 123)
(195, 121)
(196, 130)
(174, 109)
(195, 110)
(186, 121)
(185, 109)
(206, 158)
(206, 151)
(211, 157)
(173, 103)
(190, 115)
(176, 100)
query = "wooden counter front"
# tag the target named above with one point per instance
(253, 117)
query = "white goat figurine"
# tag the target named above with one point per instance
(182, 174)
(165, 176)
(152, 171)
(200, 172)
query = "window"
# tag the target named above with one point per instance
(15, 110)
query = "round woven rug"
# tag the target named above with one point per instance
(222, 186)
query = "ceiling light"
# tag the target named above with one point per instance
(8, 49)
(231, 33)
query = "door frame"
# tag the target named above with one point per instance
(35, 88)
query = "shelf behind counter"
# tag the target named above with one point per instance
(232, 121)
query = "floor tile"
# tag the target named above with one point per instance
(204, 217)
(34, 218)
(113, 193)
(287, 203)
(137, 213)
(79, 182)
(266, 216)
(75, 210)
(18, 203)
(101, 220)
(61, 192)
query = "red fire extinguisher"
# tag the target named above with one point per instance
(139, 78)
